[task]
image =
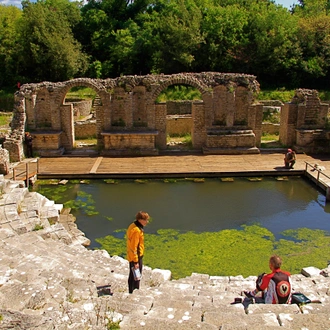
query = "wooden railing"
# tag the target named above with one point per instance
(319, 173)
(26, 171)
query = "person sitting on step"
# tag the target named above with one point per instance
(276, 286)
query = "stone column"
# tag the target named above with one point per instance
(198, 129)
(288, 124)
(160, 125)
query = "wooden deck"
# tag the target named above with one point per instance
(270, 164)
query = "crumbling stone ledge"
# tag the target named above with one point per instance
(49, 280)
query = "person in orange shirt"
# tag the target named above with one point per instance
(135, 248)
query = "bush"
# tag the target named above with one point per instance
(278, 94)
(6, 101)
(179, 92)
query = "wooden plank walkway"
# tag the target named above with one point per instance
(197, 166)
(165, 166)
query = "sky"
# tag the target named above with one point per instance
(285, 3)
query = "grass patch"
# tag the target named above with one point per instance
(82, 93)
(280, 94)
(38, 227)
(270, 141)
(180, 140)
(5, 120)
(178, 93)
(86, 141)
(285, 96)
(269, 137)
(7, 100)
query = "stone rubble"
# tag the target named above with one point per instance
(49, 280)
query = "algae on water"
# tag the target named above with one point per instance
(243, 251)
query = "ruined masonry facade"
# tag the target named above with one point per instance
(228, 119)
(130, 122)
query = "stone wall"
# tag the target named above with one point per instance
(81, 108)
(179, 107)
(303, 123)
(126, 105)
(231, 139)
(85, 129)
(122, 143)
(270, 128)
(179, 124)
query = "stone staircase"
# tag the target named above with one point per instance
(49, 280)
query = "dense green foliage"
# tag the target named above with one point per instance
(179, 92)
(6, 100)
(57, 40)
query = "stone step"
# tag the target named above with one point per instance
(49, 280)
(82, 152)
(164, 320)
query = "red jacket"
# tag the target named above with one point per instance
(278, 287)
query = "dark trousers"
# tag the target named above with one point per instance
(290, 164)
(29, 151)
(132, 284)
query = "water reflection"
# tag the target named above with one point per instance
(202, 207)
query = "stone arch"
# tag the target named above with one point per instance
(67, 125)
(98, 88)
(131, 123)
(161, 110)
(180, 80)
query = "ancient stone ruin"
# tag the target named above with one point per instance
(128, 120)
(304, 123)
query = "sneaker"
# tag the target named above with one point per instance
(249, 294)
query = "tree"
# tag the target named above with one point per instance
(174, 29)
(9, 16)
(223, 29)
(48, 48)
(311, 7)
(273, 48)
(314, 37)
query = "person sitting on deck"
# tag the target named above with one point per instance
(28, 143)
(290, 159)
(276, 286)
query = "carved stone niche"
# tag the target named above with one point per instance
(128, 143)
(47, 143)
